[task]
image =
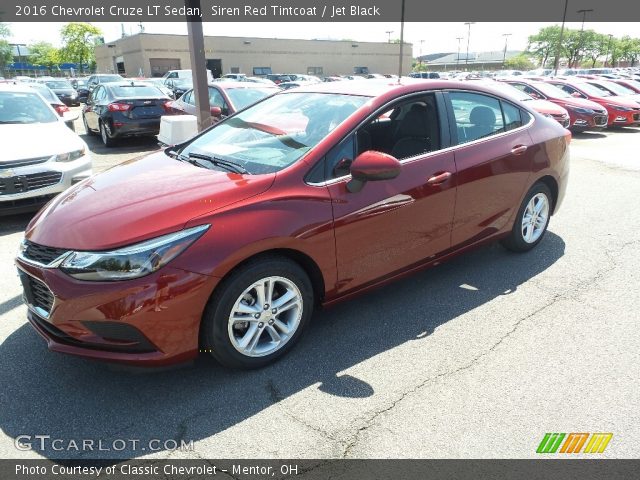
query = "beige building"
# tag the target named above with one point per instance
(151, 55)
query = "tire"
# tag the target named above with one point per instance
(224, 337)
(106, 137)
(525, 235)
(86, 126)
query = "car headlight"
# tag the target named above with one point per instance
(620, 108)
(580, 109)
(133, 261)
(70, 156)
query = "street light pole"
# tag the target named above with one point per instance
(466, 60)
(556, 63)
(504, 55)
(401, 42)
(389, 32)
(458, 59)
(608, 49)
(584, 16)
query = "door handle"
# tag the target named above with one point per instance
(519, 149)
(439, 178)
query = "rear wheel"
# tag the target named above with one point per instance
(258, 313)
(532, 219)
(105, 134)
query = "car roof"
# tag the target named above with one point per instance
(375, 88)
(17, 88)
(231, 85)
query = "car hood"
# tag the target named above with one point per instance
(618, 100)
(138, 200)
(52, 138)
(580, 103)
(545, 106)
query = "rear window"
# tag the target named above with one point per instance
(19, 107)
(58, 84)
(137, 91)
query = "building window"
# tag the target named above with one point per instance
(262, 70)
(314, 70)
(235, 69)
(361, 70)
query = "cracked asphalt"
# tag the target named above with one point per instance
(476, 358)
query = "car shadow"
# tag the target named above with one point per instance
(11, 224)
(588, 135)
(73, 399)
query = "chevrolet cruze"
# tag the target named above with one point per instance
(226, 243)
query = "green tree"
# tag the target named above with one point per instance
(78, 42)
(43, 53)
(6, 55)
(543, 44)
(629, 49)
(594, 46)
(519, 62)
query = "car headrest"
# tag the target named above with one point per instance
(482, 115)
(414, 123)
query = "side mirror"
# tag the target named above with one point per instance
(576, 95)
(216, 112)
(371, 166)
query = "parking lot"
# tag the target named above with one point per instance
(476, 358)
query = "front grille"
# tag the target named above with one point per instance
(40, 253)
(36, 293)
(23, 162)
(601, 120)
(29, 182)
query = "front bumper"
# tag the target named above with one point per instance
(149, 321)
(28, 187)
(624, 118)
(583, 121)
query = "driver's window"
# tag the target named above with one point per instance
(216, 100)
(188, 98)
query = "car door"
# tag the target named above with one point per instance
(187, 103)
(391, 225)
(90, 108)
(493, 162)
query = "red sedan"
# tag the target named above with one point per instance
(227, 242)
(629, 83)
(622, 111)
(584, 114)
(228, 97)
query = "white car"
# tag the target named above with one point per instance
(40, 155)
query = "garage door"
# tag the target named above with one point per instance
(160, 66)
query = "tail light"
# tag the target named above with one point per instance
(61, 109)
(118, 107)
(167, 106)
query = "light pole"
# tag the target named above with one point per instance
(389, 32)
(608, 49)
(504, 55)
(466, 60)
(421, 42)
(458, 59)
(556, 63)
(584, 16)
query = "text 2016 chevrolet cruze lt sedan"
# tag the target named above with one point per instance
(226, 243)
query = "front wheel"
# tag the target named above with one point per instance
(258, 313)
(531, 221)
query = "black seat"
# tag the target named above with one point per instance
(412, 136)
(483, 120)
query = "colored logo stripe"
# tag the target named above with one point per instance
(574, 443)
(550, 443)
(598, 442)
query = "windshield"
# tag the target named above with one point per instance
(551, 90)
(19, 107)
(46, 93)
(277, 132)
(136, 91)
(593, 91)
(59, 84)
(615, 88)
(243, 97)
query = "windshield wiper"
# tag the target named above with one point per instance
(219, 162)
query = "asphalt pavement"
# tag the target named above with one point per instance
(476, 358)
